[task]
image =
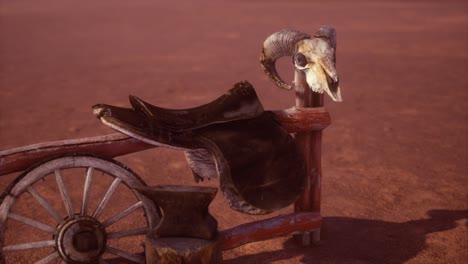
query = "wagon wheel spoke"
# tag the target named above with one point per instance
(106, 198)
(122, 214)
(127, 233)
(31, 222)
(86, 190)
(127, 255)
(32, 245)
(48, 259)
(64, 193)
(45, 204)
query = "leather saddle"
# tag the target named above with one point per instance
(258, 163)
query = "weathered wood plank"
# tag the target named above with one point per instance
(269, 228)
(301, 119)
(112, 145)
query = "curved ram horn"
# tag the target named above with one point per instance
(279, 44)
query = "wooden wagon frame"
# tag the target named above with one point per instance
(306, 121)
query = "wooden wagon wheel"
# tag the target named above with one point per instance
(71, 230)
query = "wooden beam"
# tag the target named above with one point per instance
(282, 225)
(19, 159)
(301, 119)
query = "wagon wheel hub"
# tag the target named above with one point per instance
(81, 239)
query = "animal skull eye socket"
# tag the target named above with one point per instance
(300, 59)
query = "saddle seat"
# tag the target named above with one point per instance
(239, 103)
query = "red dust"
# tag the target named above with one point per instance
(395, 170)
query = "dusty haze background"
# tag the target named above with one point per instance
(395, 159)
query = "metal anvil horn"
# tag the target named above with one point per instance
(314, 56)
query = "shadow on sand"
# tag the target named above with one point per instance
(351, 240)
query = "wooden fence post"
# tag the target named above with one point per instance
(311, 145)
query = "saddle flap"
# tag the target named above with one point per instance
(261, 169)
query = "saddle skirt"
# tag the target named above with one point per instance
(259, 166)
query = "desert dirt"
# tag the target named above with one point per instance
(395, 159)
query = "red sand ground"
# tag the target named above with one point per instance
(395, 159)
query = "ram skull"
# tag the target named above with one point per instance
(314, 56)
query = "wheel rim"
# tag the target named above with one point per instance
(81, 233)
